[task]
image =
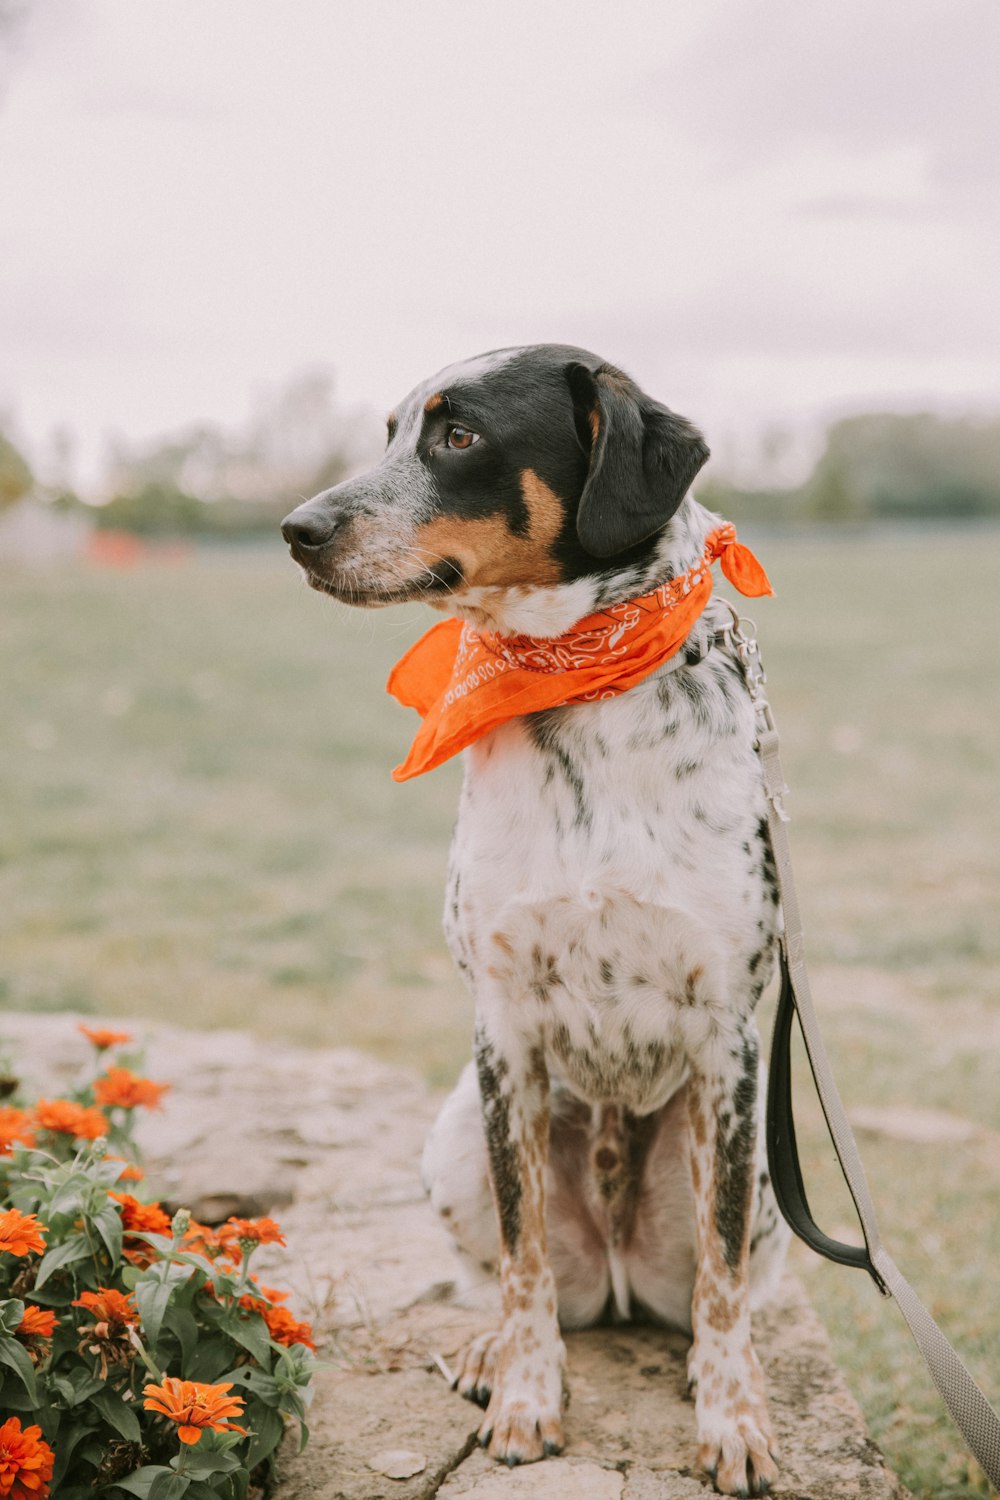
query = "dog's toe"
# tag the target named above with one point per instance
(477, 1369)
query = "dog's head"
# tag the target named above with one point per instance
(517, 489)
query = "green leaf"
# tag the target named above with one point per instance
(213, 1354)
(153, 1292)
(117, 1413)
(269, 1430)
(141, 1482)
(168, 1487)
(161, 1242)
(151, 1298)
(68, 1440)
(11, 1313)
(250, 1332)
(61, 1387)
(292, 1402)
(75, 1384)
(108, 1224)
(199, 1465)
(14, 1398)
(15, 1356)
(236, 1486)
(182, 1323)
(69, 1199)
(69, 1253)
(262, 1385)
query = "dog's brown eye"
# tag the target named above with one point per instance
(461, 437)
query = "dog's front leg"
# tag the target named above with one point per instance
(735, 1438)
(521, 1369)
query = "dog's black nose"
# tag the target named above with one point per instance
(307, 531)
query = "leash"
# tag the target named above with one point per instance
(975, 1418)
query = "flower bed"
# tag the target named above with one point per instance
(139, 1353)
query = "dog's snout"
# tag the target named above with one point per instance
(308, 530)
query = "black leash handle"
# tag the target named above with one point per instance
(782, 1146)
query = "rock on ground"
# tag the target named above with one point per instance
(329, 1141)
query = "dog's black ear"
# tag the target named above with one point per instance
(643, 459)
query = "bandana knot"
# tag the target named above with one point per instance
(467, 682)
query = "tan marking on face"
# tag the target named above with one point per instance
(488, 552)
(433, 402)
(595, 424)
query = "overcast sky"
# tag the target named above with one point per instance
(768, 213)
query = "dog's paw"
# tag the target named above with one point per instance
(737, 1447)
(515, 1432)
(477, 1369)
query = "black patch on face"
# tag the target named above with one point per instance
(504, 1163)
(734, 1157)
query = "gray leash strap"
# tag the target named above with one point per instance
(971, 1412)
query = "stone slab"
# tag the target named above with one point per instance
(329, 1141)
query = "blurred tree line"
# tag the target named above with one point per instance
(882, 467)
(208, 482)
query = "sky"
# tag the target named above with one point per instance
(770, 215)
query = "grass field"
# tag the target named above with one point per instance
(197, 823)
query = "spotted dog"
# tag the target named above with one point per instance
(612, 899)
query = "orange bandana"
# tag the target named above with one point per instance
(466, 682)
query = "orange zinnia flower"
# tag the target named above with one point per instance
(121, 1088)
(194, 1406)
(286, 1329)
(26, 1462)
(271, 1293)
(147, 1218)
(258, 1231)
(38, 1322)
(63, 1117)
(102, 1039)
(202, 1239)
(15, 1125)
(20, 1234)
(108, 1306)
(129, 1172)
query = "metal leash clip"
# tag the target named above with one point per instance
(748, 655)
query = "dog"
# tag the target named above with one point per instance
(612, 899)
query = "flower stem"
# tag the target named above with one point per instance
(145, 1355)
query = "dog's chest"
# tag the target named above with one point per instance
(605, 877)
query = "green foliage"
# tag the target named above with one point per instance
(894, 466)
(881, 467)
(204, 481)
(111, 1305)
(15, 473)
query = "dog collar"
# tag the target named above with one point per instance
(465, 683)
